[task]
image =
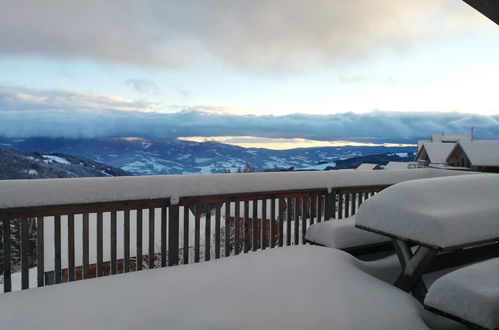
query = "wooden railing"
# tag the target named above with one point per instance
(95, 239)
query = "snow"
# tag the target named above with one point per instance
(301, 287)
(396, 166)
(342, 234)
(367, 167)
(437, 152)
(442, 212)
(51, 158)
(39, 192)
(481, 152)
(32, 172)
(470, 293)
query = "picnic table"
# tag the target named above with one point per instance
(452, 221)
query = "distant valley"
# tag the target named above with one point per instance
(170, 156)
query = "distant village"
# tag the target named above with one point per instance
(450, 152)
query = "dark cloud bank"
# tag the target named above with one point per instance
(376, 126)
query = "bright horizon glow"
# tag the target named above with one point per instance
(284, 144)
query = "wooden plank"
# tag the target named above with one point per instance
(361, 198)
(281, 222)
(237, 229)
(313, 209)
(139, 239)
(227, 229)
(263, 227)
(71, 247)
(246, 222)
(197, 224)
(173, 235)
(207, 233)
(164, 232)
(24, 254)
(185, 248)
(85, 246)
(296, 219)
(333, 206)
(7, 281)
(217, 231)
(319, 207)
(151, 238)
(353, 204)
(57, 249)
(340, 205)
(254, 226)
(272, 222)
(289, 213)
(100, 246)
(347, 205)
(113, 242)
(304, 201)
(40, 254)
(126, 241)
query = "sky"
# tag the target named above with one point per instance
(327, 70)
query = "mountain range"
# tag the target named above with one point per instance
(140, 156)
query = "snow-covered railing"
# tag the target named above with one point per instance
(61, 226)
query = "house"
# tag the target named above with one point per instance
(479, 155)
(368, 167)
(435, 152)
(397, 166)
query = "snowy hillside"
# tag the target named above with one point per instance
(142, 156)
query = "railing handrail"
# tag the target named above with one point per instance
(26, 198)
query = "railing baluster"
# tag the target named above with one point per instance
(197, 224)
(281, 222)
(139, 234)
(7, 282)
(173, 233)
(304, 218)
(361, 198)
(100, 248)
(164, 225)
(289, 211)
(272, 222)
(296, 219)
(246, 222)
(237, 229)
(340, 205)
(254, 224)
(57, 249)
(113, 242)
(264, 224)
(333, 206)
(185, 251)
(227, 229)
(126, 241)
(312, 208)
(71, 247)
(85, 245)
(347, 205)
(24, 254)
(354, 204)
(319, 207)
(151, 238)
(217, 231)
(207, 233)
(40, 254)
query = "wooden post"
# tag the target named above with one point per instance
(173, 233)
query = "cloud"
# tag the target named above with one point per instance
(268, 33)
(141, 85)
(74, 113)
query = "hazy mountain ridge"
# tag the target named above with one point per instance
(15, 164)
(170, 156)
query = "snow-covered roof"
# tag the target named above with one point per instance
(367, 167)
(45, 192)
(440, 212)
(302, 287)
(481, 152)
(446, 138)
(396, 166)
(437, 152)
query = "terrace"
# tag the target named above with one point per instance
(72, 229)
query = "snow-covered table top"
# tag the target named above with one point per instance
(303, 287)
(470, 294)
(443, 213)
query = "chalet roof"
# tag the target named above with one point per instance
(397, 166)
(480, 152)
(448, 138)
(437, 152)
(367, 167)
